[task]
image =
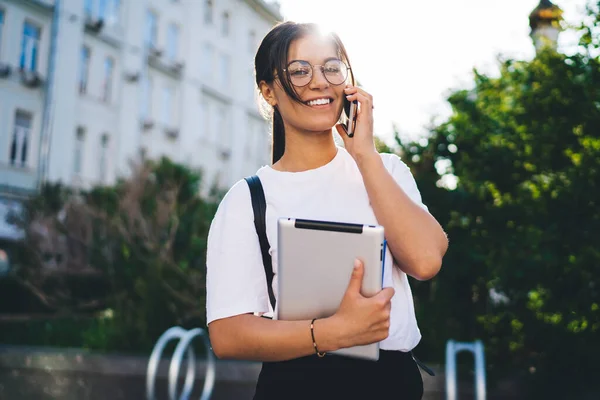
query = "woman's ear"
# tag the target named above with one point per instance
(268, 93)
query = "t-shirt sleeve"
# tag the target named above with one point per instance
(403, 177)
(235, 278)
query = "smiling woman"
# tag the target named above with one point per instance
(305, 78)
(319, 78)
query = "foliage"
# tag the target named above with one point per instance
(141, 244)
(523, 265)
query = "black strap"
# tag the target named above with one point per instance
(424, 367)
(259, 206)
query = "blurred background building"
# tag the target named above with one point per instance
(87, 86)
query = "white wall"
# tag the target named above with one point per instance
(213, 109)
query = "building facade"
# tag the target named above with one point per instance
(87, 86)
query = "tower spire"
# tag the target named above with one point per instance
(544, 22)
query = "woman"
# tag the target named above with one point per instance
(304, 77)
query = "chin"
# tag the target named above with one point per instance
(321, 126)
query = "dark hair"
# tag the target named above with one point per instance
(271, 56)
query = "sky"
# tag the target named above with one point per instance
(410, 54)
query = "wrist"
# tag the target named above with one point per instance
(367, 160)
(327, 335)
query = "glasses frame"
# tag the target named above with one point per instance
(321, 67)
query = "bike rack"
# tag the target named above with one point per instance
(185, 339)
(452, 348)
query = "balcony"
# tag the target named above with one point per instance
(5, 70)
(169, 67)
(146, 124)
(17, 179)
(41, 5)
(93, 24)
(109, 32)
(172, 132)
(30, 79)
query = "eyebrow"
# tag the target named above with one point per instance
(324, 61)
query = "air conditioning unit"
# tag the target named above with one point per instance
(154, 52)
(147, 124)
(225, 154)
(5, 70)
(94, 24)
(30, 78)
(132, 76)
(178, 67)
(172, 133)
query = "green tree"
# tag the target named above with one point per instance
(523, 220)
(150, 236)
(143, 240)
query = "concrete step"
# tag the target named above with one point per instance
(75, 374)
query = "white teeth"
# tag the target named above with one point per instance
(319, 102)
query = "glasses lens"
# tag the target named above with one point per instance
(300, 73)
(335, 71)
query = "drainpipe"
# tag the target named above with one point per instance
(48, 112)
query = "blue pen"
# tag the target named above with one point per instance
(383, 260)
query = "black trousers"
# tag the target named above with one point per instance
(395, 376)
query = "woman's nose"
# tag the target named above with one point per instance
(318, 79)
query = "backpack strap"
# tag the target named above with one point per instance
(259, 206)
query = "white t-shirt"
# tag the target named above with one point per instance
(235, 281)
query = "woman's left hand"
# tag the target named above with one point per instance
(362, 143)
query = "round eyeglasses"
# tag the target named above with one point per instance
(300, 72)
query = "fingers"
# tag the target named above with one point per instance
(354, 93)
(356, 278)
(386, 294)
(364, 101)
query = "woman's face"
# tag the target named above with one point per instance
(322, 101)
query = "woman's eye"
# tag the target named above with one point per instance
(299, 72)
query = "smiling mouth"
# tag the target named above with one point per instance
(319, 102)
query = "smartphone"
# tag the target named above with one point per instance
(350, 109)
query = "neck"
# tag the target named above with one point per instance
(306, 151)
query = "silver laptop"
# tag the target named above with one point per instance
(316, 259)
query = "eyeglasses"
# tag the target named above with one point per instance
(300, 72)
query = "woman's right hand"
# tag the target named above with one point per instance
(362, 320)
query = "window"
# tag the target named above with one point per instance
(84, 69)
(30, 46)
(102, 162)
(224, 70)
(109, 66)
(252, 42)
(102, 9)
(20, 139)
(172, 42)
(1, 26)
(223, 128)
(146, 100)
(106, 10)
(225, 24)
(252, 90)
(112, 11)
(205, 110)
(143, 152)
(207, 60)
(249, 136)
(151, 29)
(208, 11)
(167, 104)
(79, 150)
(88, 8)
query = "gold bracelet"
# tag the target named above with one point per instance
(312, 333)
